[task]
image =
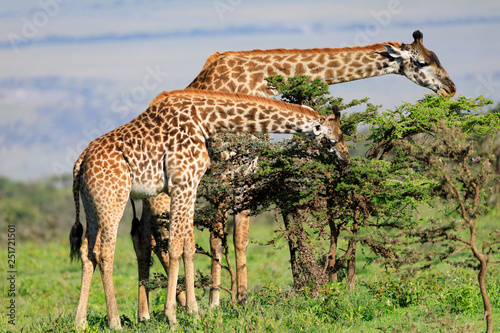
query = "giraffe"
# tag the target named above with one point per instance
(163, 150)
(244, 72)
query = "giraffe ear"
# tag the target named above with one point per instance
(395, 51)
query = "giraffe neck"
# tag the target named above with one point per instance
(244, 71)
(351, 64)
(243, 113)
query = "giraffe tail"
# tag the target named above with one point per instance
(75, 236)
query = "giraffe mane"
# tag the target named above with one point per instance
(161, 96)
(198, 92)
(211, 59)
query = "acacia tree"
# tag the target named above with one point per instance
(453, 151)
(460, 175)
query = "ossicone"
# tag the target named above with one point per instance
(336, 111)
(418, 36)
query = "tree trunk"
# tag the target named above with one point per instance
(481, 279)
(330, 259)
(291, 248)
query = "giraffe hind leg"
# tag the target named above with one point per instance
(104, 253)
(88, 268)
(89, 264)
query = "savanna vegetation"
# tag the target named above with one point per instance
(404, 239)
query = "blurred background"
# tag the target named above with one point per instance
(71, 71)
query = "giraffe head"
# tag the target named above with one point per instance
(421, 65)
(326, 135)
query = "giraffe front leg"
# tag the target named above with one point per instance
(155, 209)
(189, 251)
(216, 252)
(175, 249)
(181, 242)
(240, 238)
(159, 238)
(173, 273)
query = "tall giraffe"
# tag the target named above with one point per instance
(163, 150)
(244, 72)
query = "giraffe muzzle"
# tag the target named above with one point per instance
(448, 91)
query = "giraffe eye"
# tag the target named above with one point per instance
(421, 63)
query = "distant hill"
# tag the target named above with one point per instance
(41, 210)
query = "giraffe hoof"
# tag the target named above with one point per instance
(172, 320)
(144, 317)
(115, 326)
(242, 300)
(80, 326)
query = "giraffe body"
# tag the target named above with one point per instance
(244, 72)
(163, 150)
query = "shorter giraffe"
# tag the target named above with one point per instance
(164, 150)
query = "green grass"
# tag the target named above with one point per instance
(48, 289)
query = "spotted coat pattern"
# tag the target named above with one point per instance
(164, 150)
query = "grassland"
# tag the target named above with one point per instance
(47, 289)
